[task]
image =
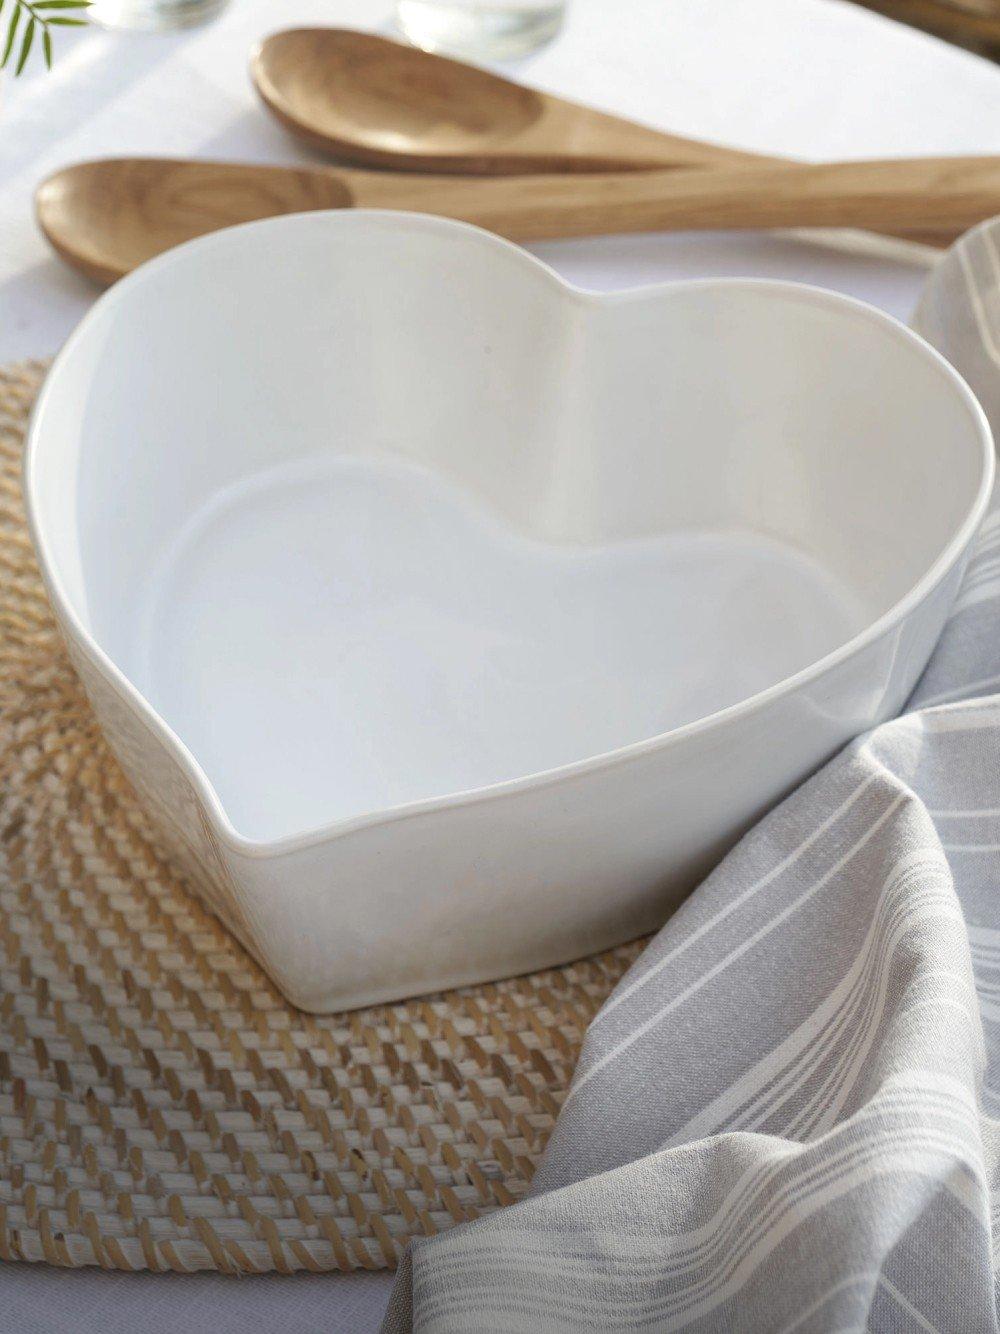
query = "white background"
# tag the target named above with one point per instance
(810, 78)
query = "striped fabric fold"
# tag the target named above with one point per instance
(785, 1117)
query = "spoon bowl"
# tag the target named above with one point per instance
(368, 99)
(107, 217)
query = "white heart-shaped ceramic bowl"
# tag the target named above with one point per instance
(451, 621)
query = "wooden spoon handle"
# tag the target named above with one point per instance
(939, 194)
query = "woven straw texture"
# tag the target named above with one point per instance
(161, 1106)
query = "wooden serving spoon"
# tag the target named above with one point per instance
(378, 103)
(373, 101)
(108, 216)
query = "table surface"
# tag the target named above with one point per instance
(810, 78)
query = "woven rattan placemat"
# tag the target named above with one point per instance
(161, 1106)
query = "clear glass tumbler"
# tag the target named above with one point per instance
(483, 29)
(153, 15)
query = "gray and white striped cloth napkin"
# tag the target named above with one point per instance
(787, 1116)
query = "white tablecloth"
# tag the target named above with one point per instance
(805, 77)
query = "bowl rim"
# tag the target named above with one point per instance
(254, 848)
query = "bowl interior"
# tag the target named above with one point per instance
(372, 509)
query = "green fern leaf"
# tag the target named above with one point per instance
(26, 41)
(11, 34)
